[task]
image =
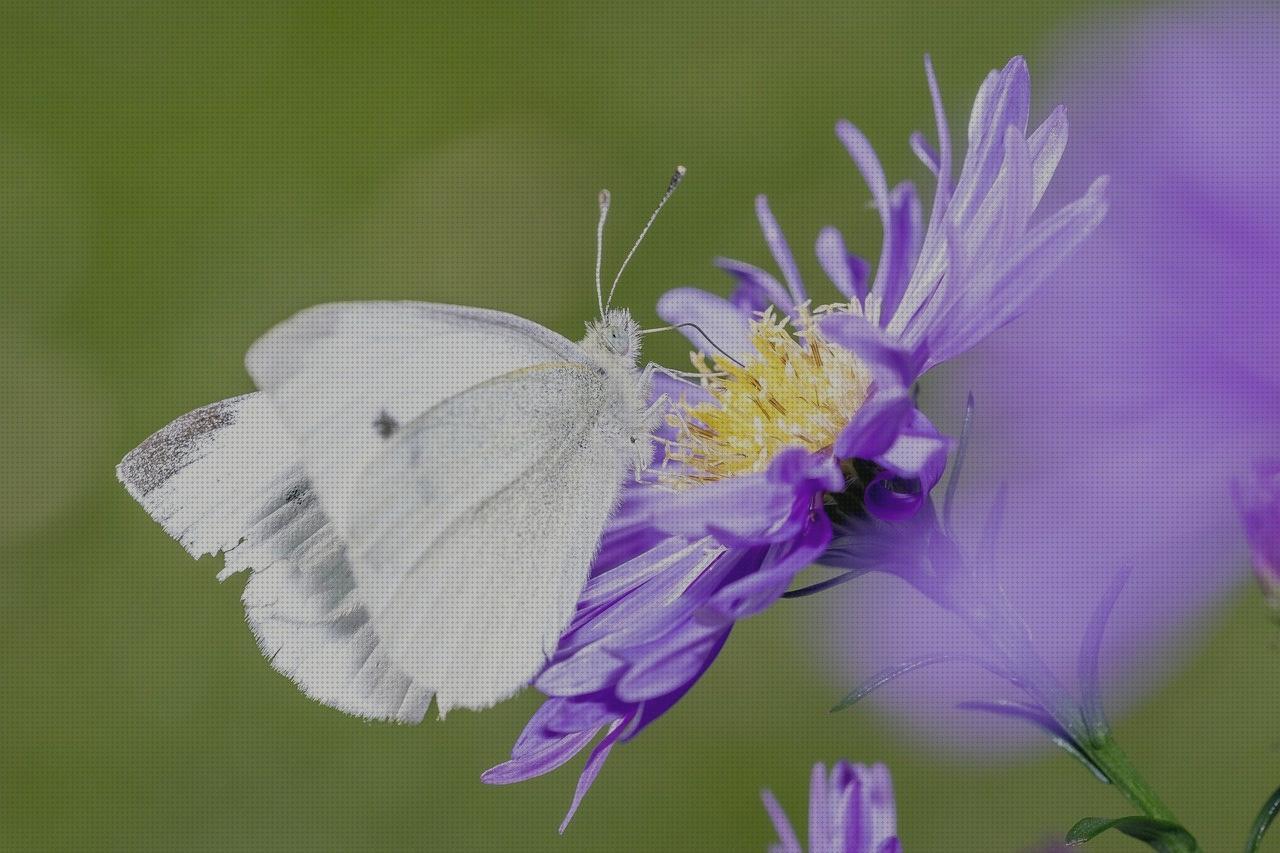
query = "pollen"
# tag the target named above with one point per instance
(795, 390)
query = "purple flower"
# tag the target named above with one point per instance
(1141, 384)
(1258, 500)
(802, 413)
(851, 810)
(939, 289)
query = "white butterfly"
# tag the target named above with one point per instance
(419, 490)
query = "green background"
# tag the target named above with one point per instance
(174, 181)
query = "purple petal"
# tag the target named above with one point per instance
(755, 592)
(926, 153)
(535, 735)
(891, 498)
(847, 272)
(1047, 144)
(752, 508)
(588, 670)
(888, 407)
(1091, 654)
(999, 221)
(651, 710)
(724, 324)
(1257, 500)
(819, 809)
(666, 670)
(918, 452)
(612, 584)
(873, 345)
(547, 757)
(877, 810)
(900, 250)
(787, 840)
(592, 770)
(875, 427)
(942, 195)
(579, 715)
(1039, 254)
(864, 157)
(661, 606)
(1004, 101)
(759, 589)
(780, 250)
(757, 290)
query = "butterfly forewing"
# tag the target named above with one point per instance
(474, 532)
(347, 377)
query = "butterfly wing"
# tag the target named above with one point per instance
(228, 478)
(473, 533)
(346, 376)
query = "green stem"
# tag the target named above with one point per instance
(1111, 760)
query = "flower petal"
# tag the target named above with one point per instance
(1047, 144)
(1004, 101)
(549, 755)
(589, 773)
(588, 670)
(925, 152)
(757, 290)
(669, 668)
(751, 509)
(877, 812)
(782, 256)
(1014, 282)
(718, 319)
(847, 272)
(919, 451)
(787, 840)
(757, 590)
(900, 251)
(819, 809)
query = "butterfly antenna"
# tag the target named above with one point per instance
(671, 188)
(697, 329)
(604, 214)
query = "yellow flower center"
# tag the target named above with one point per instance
(796, 390)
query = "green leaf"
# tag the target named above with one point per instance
(1260, 825)
(1159, 835)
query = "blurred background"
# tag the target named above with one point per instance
(175, 180)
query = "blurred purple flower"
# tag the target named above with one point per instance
(1258, 500)
(851, 810)
(794, 424)
(1142, 383)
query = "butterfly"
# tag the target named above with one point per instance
(418, 489)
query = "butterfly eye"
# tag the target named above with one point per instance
(616, 340)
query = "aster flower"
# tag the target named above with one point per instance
(1258, 501)
(937, 292)
(1138, 387)
(799, 413)
(851, 810)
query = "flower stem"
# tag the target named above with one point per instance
(1104, 752)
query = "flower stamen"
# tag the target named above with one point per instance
(797, 389)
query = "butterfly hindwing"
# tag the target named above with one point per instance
(228, 478)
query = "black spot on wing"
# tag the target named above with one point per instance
(385, 425)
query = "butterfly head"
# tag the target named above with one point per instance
(615, 337)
